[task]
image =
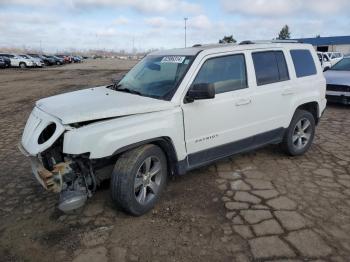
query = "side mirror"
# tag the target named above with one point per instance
(200, 91)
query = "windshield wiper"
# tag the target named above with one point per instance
(127, 90)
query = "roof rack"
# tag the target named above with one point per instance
(249, 42)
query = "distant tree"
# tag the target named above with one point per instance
(227, 39)
(284, 33)
(318, 36)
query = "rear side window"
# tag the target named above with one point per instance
(303, 63)
(270, 67)
(227, 73)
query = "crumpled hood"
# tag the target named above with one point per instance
(334, 77)
(99, 103)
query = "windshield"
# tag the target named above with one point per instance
(156, 76)
(342, 65)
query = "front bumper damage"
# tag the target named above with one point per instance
(72, 180)
(71, 176)
(50, 180)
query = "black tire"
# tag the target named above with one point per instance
(301, 144)
(22, 65)
(124, 175)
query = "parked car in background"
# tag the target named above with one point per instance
(338, 82)
(17, 61)
(47, 61)
(175, 111)
(6, 60)
(50, 60)
(335, 56)
(67, 59)
(333, 60)
(2, 63)
(58, 60)
(324, 60)
(76, 59)
(38, 62)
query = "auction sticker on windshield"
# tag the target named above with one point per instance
(173, 59)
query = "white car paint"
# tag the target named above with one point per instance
(324, 60)
(37, 61)
(335, 57)
(230, 116)
(17, 60)
(99, 103)
(332, 58)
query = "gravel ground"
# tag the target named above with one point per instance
(259, 206)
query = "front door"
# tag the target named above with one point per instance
(211, 125)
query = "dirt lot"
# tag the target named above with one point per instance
(260, 206)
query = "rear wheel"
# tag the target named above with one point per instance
(300, 133)
(138, 179)
(22, 65)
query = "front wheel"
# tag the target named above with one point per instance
(300, 133)
(138, 179)
(22, 65)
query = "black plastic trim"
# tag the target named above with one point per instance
(208, 156)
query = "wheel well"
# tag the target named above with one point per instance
(311, 107)
(165, 143)
(167, 146)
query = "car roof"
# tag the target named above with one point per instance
(217, 48)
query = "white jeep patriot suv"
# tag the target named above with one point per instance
(176, 110)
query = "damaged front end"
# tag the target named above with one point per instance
(71, 176)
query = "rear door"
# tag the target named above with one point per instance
(273, 92)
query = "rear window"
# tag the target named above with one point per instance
(303, 63)
(270, 67)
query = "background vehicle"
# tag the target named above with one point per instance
(338, 82)
(58, 60)
(328, 56)
(2, 63)
(6, 60)
(76, 59)
(67, 59)
(38, 62)
(17, 61)
(49, 60)
(335, 56)
(173, 112)
(324, 60)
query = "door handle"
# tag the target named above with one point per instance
(288, 92)
(244, 101)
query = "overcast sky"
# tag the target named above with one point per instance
(113, 24)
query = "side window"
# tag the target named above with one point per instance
(227, 73)
(282, 66)
(303, 63)
(270, 67)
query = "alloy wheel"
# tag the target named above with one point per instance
(302, 133)
(147, 180)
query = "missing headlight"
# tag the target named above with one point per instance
(47, 133)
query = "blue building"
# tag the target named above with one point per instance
(329, 44)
